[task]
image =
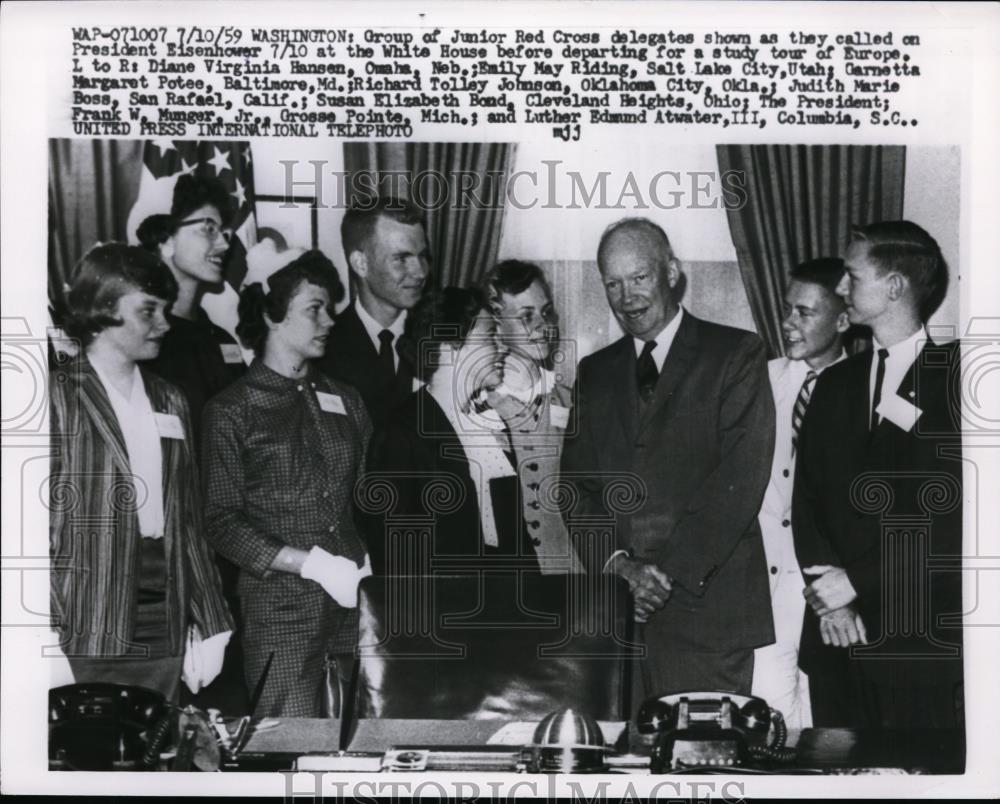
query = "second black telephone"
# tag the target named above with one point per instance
(710, 729)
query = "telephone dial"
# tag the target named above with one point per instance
(709, 729)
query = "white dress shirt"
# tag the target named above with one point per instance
(663, 341)
(901, 356)
(142, 443)
(374, 328)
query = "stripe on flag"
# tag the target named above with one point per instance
(163, 161)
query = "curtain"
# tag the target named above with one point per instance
(92, 186)
(461, 187)
(801, 201)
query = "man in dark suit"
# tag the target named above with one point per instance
(877, 506)
(679, 409)
(387, 254)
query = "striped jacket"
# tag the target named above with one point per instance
(94, 525)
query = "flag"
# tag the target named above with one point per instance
(163, 161)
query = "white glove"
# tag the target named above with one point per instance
(203, 658)
(338, 576)
(192, 667)
(213, 652)
(60, 671)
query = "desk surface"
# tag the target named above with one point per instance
(922, 751)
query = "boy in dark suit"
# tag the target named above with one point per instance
(387, 253)
(877, 505)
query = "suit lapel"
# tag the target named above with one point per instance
(94, 400)
(782, 388)
(168, 446)
(908, 387)
(172, 466)
(404, 376)
(680, 359)
(625, 395)
(857, 403)
(362, 349)
(906, 391)
(441, 437)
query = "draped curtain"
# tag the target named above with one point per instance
(801, 201)
(461, 187)
(92, 185)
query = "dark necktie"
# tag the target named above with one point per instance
(877, 396)
(507, 445)
(801, 403)
(646, 372)
(386, 361)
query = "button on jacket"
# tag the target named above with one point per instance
(537, 437)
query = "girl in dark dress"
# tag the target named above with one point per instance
(283, 448)
(197, 356)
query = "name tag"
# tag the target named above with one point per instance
(168, 425)
(231, 353)
(901, 413)
(331, 403)
(560, 416)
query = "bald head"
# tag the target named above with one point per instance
(641, 232)
(639, 273)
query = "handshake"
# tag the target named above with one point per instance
(338, 576)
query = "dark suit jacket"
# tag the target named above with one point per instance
(351, 357)
(683, 480)
(94, 524)
(419, 479)
(856, 491)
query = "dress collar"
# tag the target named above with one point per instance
(261, 375)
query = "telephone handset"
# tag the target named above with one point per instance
(714, 729)
(100, 726)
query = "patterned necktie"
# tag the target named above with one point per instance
(646, 373)
(386, 361)
(799, 410)
(877, 397)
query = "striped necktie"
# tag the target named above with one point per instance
(801, 403)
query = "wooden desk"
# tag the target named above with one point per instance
(832, 751)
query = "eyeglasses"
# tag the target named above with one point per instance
(209, 227)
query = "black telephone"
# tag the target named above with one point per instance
(710, 729)
(98, 726)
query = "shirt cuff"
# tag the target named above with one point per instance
(613, 556)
